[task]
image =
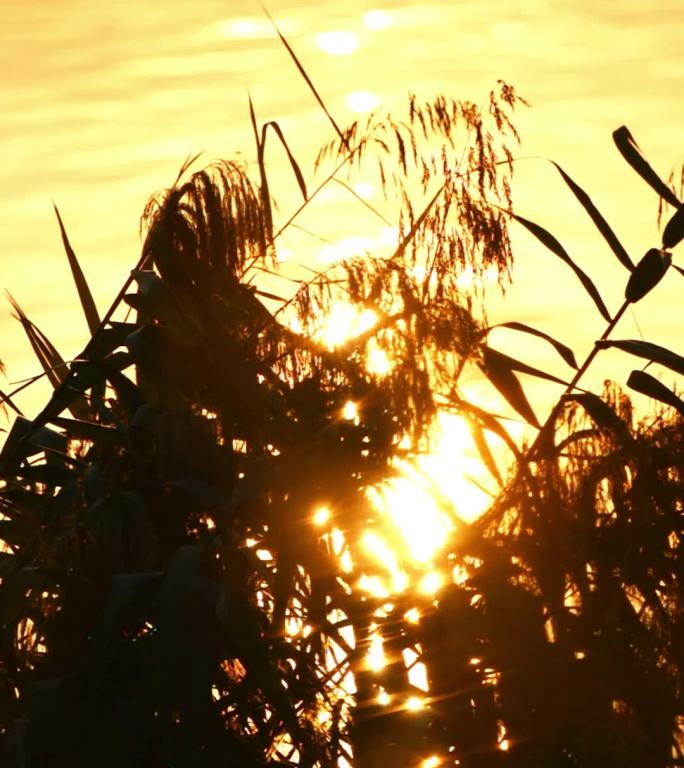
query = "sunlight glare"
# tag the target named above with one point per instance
(412, 616)
(346, 562)
(417, 671)
(431, 762)
(376, 20)
(373, 585)
(386, 557)
(431, 583)
(383, 698)
(453, 460)
(375, 658)
(362, 101)
(343, 323)
(415, 703)
(338, 43)
(321, 516)
(377, 360)
(364, 190)
(350, 411)
(415, 512)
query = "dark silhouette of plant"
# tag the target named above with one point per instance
(165, 599)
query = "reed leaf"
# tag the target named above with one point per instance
(674, 229)
(480, 440)
(490, 422)
(601, 224)
(602, 414)
(497, 368)
(629, 149)
(305, 76)
(648, 385)
(653, 352)
(264, 191)
(554, 246)
(293, 163)
(647, 274)
(563, 350)
(49, 358)
(517, 365)
(87, 302)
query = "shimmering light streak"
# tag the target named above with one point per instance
(375, 658)
(415, 703)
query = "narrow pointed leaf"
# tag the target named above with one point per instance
(674, 229)
(87, 302)
(49, 358)
(306, 77)
(554, 246)
(483, 448)
(263, 177)
(653, 352)
(563, 350)
(648, 385)
(601, 413)
(629, 149)
(518, 365)
(647, 274)
(490, 422)
(87, 430)
(5, 398)
(601, 224)
(496, 368)
(293, 163)
(679, 269)
(32, 439)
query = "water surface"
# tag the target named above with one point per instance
(101, 103)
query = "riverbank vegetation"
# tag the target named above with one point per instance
(195, 571)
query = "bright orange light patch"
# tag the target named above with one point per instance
(375, 658)
(321, 516)
(415, 512)
(431, 583)
(415, 703)
(431, 762)
(343, 323)
(384, 554)
(350, 411)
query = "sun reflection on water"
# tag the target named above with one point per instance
(338, 42)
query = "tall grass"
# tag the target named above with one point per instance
(166, 600)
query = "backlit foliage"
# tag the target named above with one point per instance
(194, 571)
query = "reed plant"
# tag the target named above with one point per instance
(165, 599)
